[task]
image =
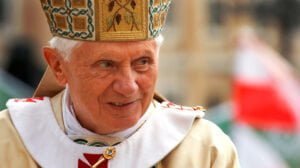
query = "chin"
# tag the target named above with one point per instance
(126, 123)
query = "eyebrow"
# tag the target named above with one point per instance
(148, 52)
(107, 55)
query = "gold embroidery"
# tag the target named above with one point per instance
(157, 2)
(156, 21)
(59, 3)
(80, 23)
(123, 19)
(61, 21)
(78, 3)
(106, 20)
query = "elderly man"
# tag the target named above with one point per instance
(97, 106)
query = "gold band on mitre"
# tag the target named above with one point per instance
(106, 20)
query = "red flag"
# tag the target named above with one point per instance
(266, 91)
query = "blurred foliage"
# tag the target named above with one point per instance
(12, 87)
(3, 98)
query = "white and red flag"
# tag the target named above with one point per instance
(266, 92)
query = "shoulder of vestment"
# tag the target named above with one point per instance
(12, 150)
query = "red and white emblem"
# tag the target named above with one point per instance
(92, 159)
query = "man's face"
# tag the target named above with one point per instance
(111, 84)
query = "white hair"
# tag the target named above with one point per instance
(65, 46)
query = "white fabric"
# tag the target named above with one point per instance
(74, 128)
(51, 148)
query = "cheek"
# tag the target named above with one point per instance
(86, 90)
(87, 96)
(147, 81)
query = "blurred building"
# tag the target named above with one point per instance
(196, 62)
(196, 59)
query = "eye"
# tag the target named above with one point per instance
(106, 64)
(142, 64)
(143, 61)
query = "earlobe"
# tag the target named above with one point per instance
(55, 61)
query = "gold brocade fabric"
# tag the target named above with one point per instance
(106, 20)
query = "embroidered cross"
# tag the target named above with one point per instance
(98, 160)
(92, 159)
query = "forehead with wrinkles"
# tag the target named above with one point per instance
(66, 46)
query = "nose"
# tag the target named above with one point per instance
(125, 83)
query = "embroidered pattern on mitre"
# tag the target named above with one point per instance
(106, 20)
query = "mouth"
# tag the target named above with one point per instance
(126, 109)
(118, 104)
(122, 104)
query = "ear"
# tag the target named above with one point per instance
(55, 62)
